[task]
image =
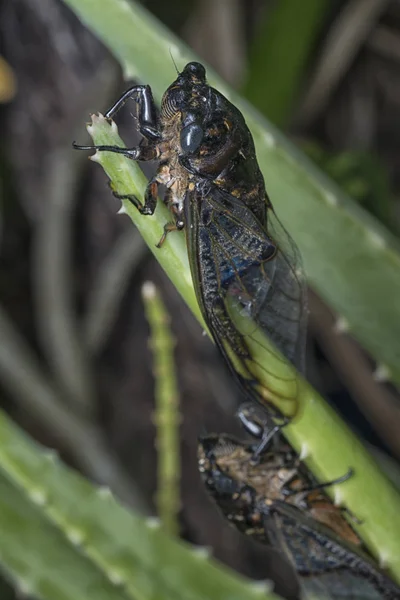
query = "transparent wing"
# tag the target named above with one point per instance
(326, 565)
(251, 288)
(290, 282)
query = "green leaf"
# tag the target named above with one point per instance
(61, 538)
(38, 557)
(279, 55)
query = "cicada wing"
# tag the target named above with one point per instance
(327, 565)
(251, 297)
(289, 302)
(332, 586)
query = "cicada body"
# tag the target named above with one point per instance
(246, 269)
(276, 501)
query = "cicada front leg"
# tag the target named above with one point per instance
(147, 150)
(148, 125)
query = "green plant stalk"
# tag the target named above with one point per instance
(166, 414)
(285, 37)
(65, 539)
(318, 434)
(350, 259)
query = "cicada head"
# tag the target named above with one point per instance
(184, 106)
(187, 86)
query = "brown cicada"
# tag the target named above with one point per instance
(276, 501)
(246, 269)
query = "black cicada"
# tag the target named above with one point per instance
(276, 501)
(246, 269)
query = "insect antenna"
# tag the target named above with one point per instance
(173, 60)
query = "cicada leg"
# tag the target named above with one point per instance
(258, 427)
(178, 224)
(150, 197)
(148, 125)
(320, 486)
(134, 153)
(147, 112)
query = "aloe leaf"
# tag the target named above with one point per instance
(64, 539)
(38, 558)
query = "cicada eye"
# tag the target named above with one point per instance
(191, 138)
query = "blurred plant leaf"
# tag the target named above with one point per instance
(279, 55)
(61, 538)
(362, 176)
(39, 560)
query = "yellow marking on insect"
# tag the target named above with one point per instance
(228, 124)
(213, 131)
(191, 186)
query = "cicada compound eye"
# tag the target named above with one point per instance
(191, 138)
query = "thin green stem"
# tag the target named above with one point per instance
(166, 415)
